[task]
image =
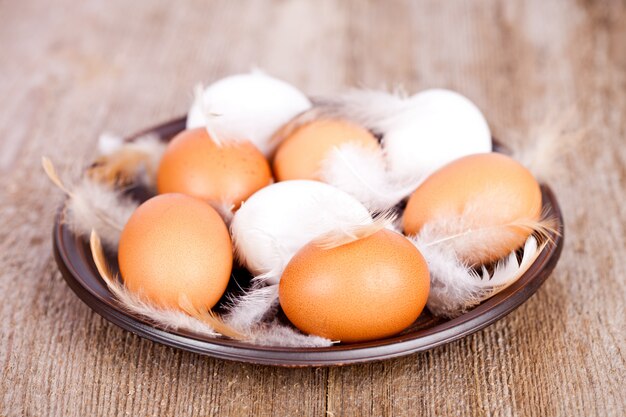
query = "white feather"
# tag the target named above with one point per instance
(109, 142)
(250, 308)
(456, 288)
(347, 233)
(92, 205)
(476, 239)
(266, 334)
(363, 174)
(277, 334)
(374, 109)
(164, 318)
(96, 205)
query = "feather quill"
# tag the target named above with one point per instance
(208, 113)
(471, 239)
(204, 322)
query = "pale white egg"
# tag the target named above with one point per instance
(277, 221)
(437, 127)
(247, 107)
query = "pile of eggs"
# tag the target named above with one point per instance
(230, 191)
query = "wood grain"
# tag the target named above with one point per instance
(76, 69)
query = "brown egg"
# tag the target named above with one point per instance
(299, 156)
(195, 165)
(364, 290)
(487, 190)
(175, 245)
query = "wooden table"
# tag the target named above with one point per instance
(70, 70)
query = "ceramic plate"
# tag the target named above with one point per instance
(74, 259)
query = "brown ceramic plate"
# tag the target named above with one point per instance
(74, 259)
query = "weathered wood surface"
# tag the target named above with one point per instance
(70, 70)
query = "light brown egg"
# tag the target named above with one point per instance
(364, 290)
(487, 190)
(300, 155)
(195, 165)
(175, 245)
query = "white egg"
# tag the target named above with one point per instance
(277, 221)
(247, 107)
(438, 127)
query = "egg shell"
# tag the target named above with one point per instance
(438, 127)
(487, 190)
(195, 165)
(248, 106)
(300, 155)
(276, 221)
(175, 245)
(368, 289)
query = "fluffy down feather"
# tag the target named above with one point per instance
(351, 232)
(363, 174)
(544, 146)
(94, 206)
(166, 318)
(201, 322)
(456, 288)
(255, 304)
(469, 237)
(277, 334)
(375, 110)
(122, 163)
